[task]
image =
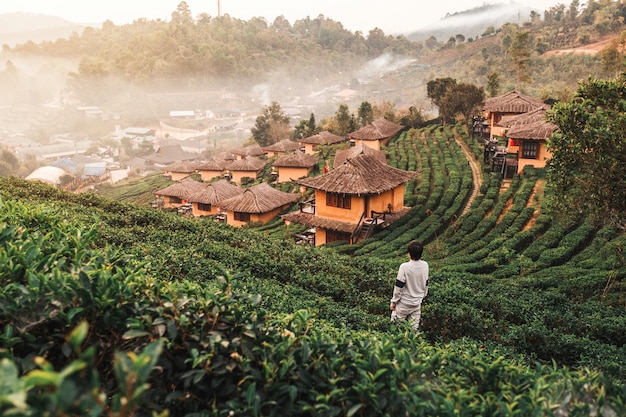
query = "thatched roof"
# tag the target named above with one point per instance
(379, 129)
(212, 165)
(248, 163)
(215, 192)
(183, 189)
(259, 198)
(298, 159)
(225, 155)
(364, 174)
(531, 126)
(285, 145)
(536, 115)
(323, 138)
(512, 102)
(187, 167)
(252, 150)
(311, 220)
(170, 154)
(342, 154)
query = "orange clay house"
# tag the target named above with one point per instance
(179, 170)
(312, 143)
(294, 166)
(376, 134)
(177, 194)
(527, 136)
(281, 148)
(205, 202)
(353, 200)
(257, 204)
(248, 167)
(213, 168)
(509, 104)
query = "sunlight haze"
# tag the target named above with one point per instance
(392, 16)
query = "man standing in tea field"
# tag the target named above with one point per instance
(411, 287)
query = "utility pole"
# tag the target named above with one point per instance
(219, 8)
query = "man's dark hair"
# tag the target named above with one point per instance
(415, 250)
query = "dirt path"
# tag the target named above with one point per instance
(477, 174)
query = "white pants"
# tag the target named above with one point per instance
(410, 313)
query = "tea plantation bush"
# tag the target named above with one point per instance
(111, 308)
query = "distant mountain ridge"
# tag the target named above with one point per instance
(472, 23)
(22, 27)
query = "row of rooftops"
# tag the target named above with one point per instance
(523, 116)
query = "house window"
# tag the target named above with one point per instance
(336, 236)
(175, 200)
(241, 216)
(530, 150)
(204, 207)
(338, 200)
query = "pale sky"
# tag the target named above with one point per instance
(392, 16)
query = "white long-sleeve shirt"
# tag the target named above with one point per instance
(411, 284)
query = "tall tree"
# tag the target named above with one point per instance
(271, 125)
(493, 84)
(365, 114)
(467, 100)
(344, 122)
(437, 90)
(588, 165)
(520, 54)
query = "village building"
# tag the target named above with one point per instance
(344, 154)
(527, 135)
(176, 195)
(508, 104)
(280, 148)
(294, 166)
(179, 170)
(249, 167)
(252, 150)
(353, 200)
(376, 134)
(312, 143)
(258, 204)
(49, 174)
(211, 169)
(166, 155)
(205, 202)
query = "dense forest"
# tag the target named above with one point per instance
(198, 53)
(109, 307)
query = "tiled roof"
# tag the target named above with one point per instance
(248, 163)
(364, 174)
(512, 102)
(323, 138)
(285, 145)
(379, 129)
(252, 150)
(186, 167)
(212, 165)
(530, 126)
(259, 198)
(342, 154)
(311, 220)
(215, 192)
(170, 154)
(183, 189)
(297, 159)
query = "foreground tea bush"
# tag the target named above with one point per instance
(92, 329)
